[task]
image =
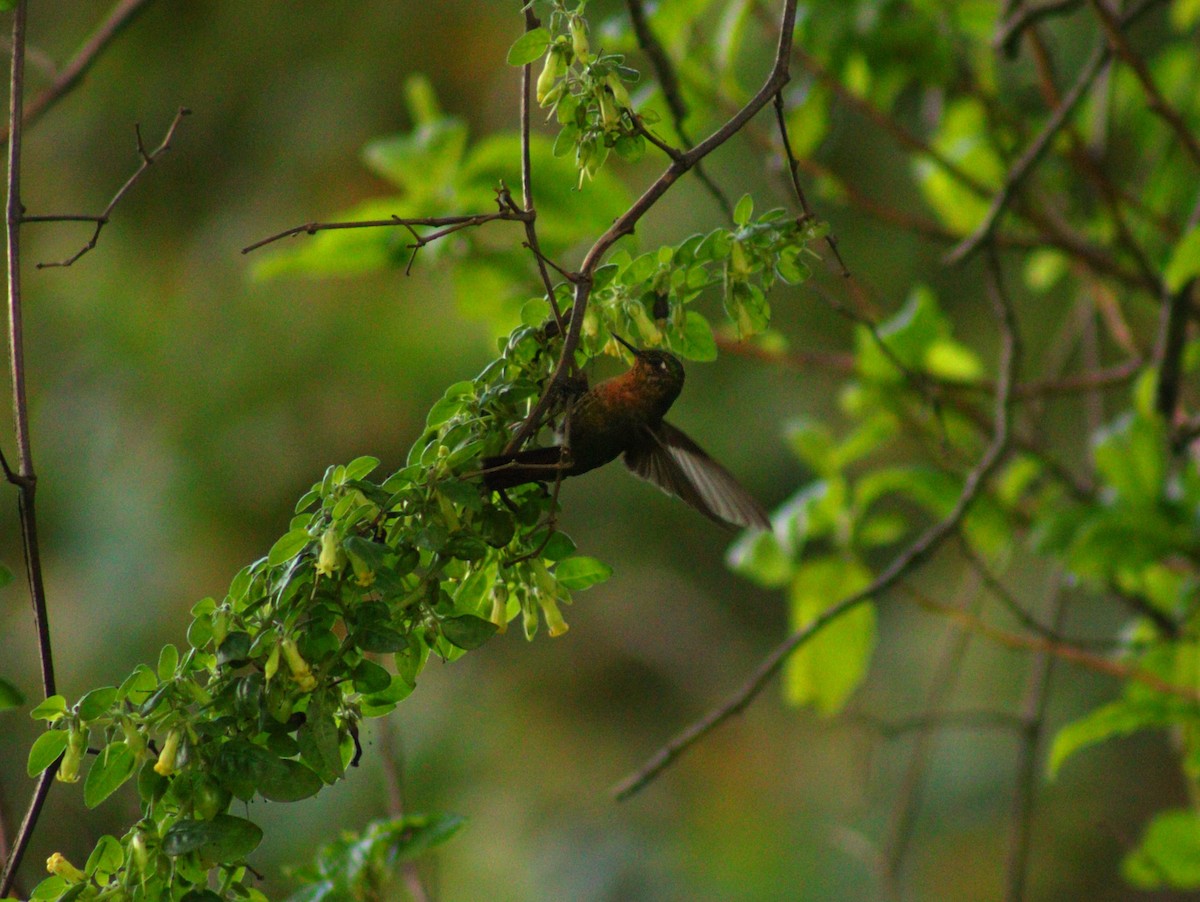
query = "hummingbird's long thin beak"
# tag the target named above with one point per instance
(632, 349)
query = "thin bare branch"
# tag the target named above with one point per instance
(102, 219)
(908, 560)
(945, 720)
(1024, 17)
(25, 831)
(664, 71)
(793, 166)
(1031, 156)
(531, 238)
(393, 775)
(24, 476)
(1037, 148)
(311, 228)
(1085, 659)
(122, 14)
(1033, 719)
(1088, 165)
(1014, 607)
(1117, 42)
(907, 805)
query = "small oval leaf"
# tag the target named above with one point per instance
(528, 47)
(225, 838)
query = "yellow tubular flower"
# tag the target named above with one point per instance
(165, 765)
(68, 768)
(301, 672)
(332, 558)
(58, 865)
(554, 69)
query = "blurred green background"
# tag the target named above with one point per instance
(179, 407)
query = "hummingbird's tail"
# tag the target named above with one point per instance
(506, 471)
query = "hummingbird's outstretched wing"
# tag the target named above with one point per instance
(680, 467)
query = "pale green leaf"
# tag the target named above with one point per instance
(824, 671)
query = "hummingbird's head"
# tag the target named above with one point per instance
(658, 373)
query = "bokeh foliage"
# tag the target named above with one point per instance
(1101, 491)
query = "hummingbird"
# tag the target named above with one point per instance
(624, 416)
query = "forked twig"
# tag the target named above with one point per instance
(311, 228)
(148, 159)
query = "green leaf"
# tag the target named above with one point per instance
(241, 766)
(6, 576)
(830, 666)
(759, 557)
(168, 662)
(581, 572)
(1184, 264)
(933, 490)
(320, 744)
(695, 340)
(360, 468)
(744, 210)
(1116, 719)
(1132, 457)
(813, 443)
(290, 782)
(380, 639)
(235, 649)
(370, 677)
(410, 659)
(1184, 14)
(528, 47)
(223, 839)
(106, 859)
(1168, 856)
(108, 772)
(138, 686)
(45, 751)
(415, 834)
(467, 631)
(630, 148)
(379, 703)
(10, 695)
(96, 703)
(287, 547)
(951, 360)
(964, 137)
(558, 547)
(908, 335)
